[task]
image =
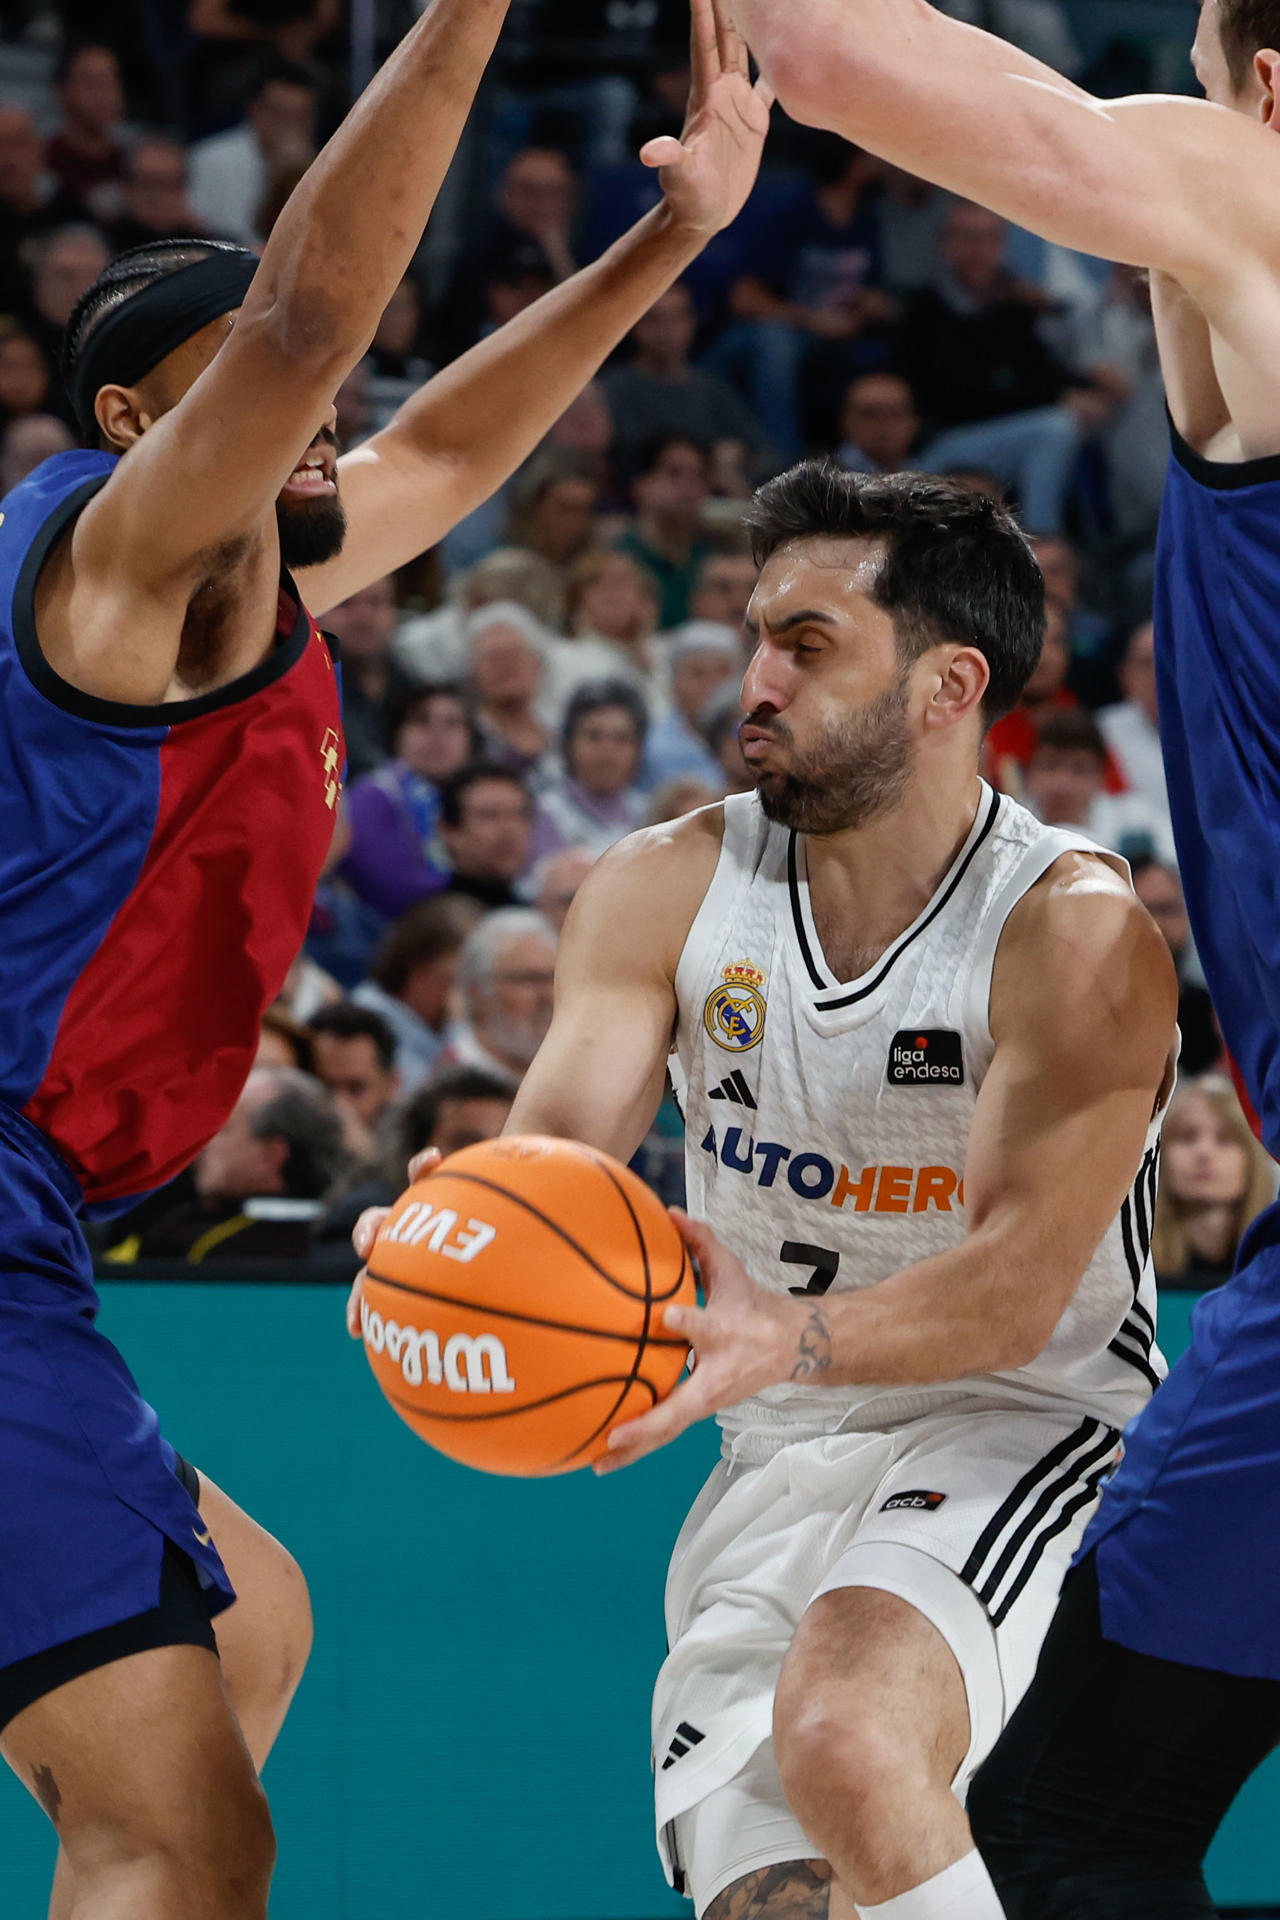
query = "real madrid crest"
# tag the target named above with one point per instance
(734, 1013)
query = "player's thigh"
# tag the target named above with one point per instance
(142, 1759)
(871, 1687)
(795, 1890)
(265, 1638)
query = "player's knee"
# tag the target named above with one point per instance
(835, 1762)
(296, 1625)
(237, 1863)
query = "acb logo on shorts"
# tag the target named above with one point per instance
(734, 1013)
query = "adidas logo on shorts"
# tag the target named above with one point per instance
(685, 1737)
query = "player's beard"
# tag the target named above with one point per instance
(312, 531)
(861, 768)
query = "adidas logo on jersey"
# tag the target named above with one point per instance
(685, 1737)
(735, 1088)
(921, 1059)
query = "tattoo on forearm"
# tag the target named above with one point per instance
(815, 1347)
(47, 1791)
(797, 1890)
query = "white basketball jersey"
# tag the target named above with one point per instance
(827, 1123)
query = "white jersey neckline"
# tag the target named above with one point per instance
(835, 996)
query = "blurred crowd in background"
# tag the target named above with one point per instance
(565, 666)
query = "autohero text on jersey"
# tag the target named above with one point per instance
(876, 1189)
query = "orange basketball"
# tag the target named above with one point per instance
(512, 1310)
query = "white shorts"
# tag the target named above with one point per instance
(970, 1517)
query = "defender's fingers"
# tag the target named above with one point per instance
(425, 1162)
(365, 1231)
(704, 50)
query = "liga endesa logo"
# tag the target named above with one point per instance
(925, 1057)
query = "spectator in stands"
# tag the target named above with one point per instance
(32, 203)
(702, 657)
(584, 430)
(1088, 633)
(684, 794)
(284, 1042)
(486, 828)
(597, 800)
(458, 1107)
(364, 625)
(809, 299)
(556, 880)
(993, 392)
(1011, 742)
(879, 424)
(25, 379)
(613, 604)
(259, 1185)
(1215, 1179)
(721, 719)
(153, 197)
(523, 248)
(1159, 888)
(87, 155)
(1064, 786)
(67, 262)
(507, 653)
(433, 646)
(669, 489)
(553, 501)
(659, 390)
(27, 442)
(395, 367)
(505, 979)
(293, 28)
(411, 982)
(232, 171)
(722, 589)
(1040, 27)
(394, 813)
(355, 1057)
(1130, 727)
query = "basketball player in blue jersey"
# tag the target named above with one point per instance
(1159, 1689)
(170, 753)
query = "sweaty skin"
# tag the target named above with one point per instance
(1187, 188)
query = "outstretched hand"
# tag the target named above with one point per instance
(709, 171)
(744, 1339)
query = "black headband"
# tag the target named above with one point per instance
(135, 336)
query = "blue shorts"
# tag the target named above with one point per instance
(90, 1492)
(1188, 1531)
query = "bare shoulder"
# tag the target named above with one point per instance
(641, 898)
(1080, 948)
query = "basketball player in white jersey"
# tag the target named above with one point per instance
(922, 1044)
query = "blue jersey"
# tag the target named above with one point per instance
(1188, 1534)
(157, 869)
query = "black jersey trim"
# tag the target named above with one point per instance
(1224, 476)
(122, 713)
(891, 959)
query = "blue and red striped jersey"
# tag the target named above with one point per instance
(157, 869)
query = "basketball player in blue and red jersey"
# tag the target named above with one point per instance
(1159, 1687)
(170, 754)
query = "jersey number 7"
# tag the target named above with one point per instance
(825, 1264)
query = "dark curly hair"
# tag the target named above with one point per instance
(127, 275)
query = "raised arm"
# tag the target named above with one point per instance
(455, 442)
(1083, 1008)
(1152, 181)
(204, 475)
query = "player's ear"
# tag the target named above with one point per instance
(1266, 67)
(122, 416)
(963, 676)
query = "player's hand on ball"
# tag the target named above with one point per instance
(709, 171)
(365, 1232)
(744, 1339)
